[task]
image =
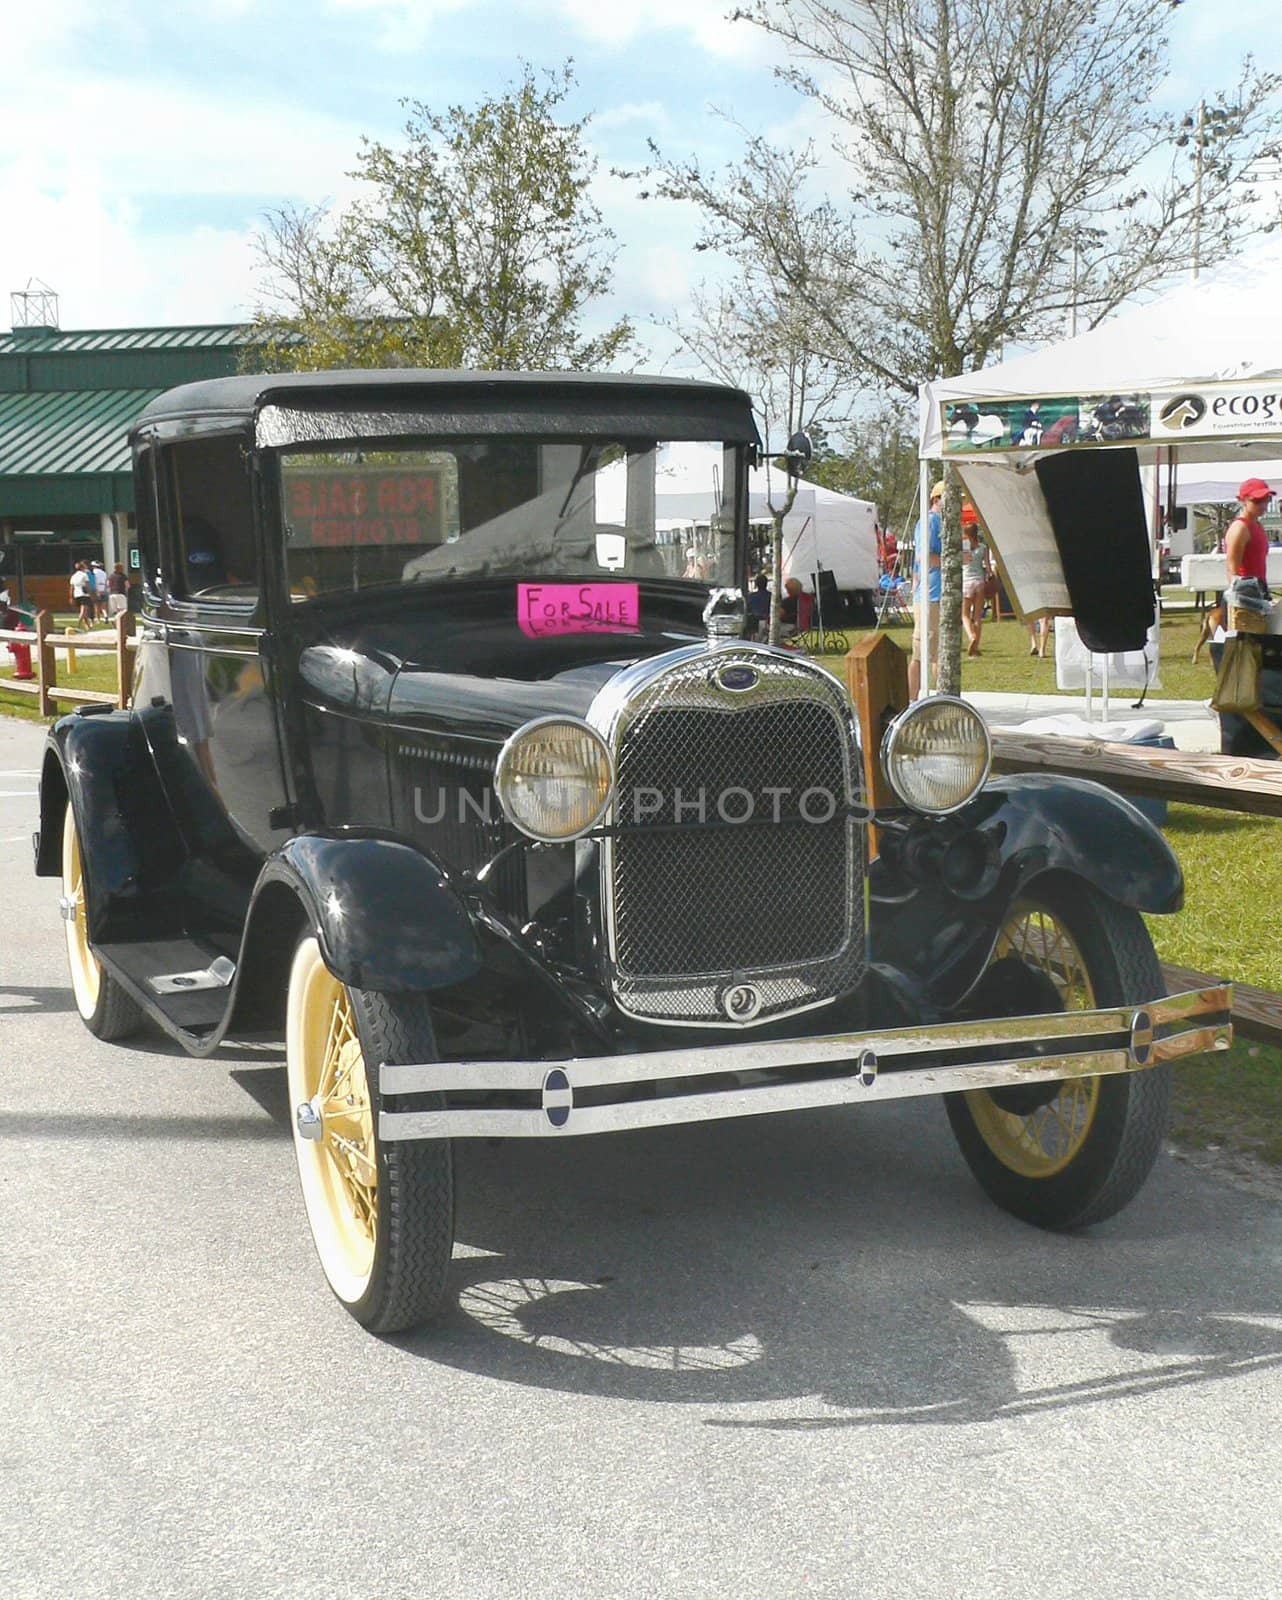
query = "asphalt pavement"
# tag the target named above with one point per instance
(784, 1356)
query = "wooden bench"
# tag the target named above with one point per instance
(1257, 1013)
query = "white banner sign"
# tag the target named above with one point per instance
(1216, 411)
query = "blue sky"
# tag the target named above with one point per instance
(141, 143)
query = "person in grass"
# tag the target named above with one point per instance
(976, 571)
(82, 595)
(1246, 545)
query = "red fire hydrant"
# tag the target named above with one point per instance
(21, 653)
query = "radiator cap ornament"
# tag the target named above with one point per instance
(724, 616)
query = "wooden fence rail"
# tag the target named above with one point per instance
(44, 645)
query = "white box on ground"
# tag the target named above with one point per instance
(1127, 669)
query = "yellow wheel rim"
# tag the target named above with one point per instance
(1046, 1140)
(339, 1170)
(86, 974)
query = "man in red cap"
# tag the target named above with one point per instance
(1246, 545)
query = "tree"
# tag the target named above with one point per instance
(878, 461)
(1002, 168)
(474, 244)
(751, 335)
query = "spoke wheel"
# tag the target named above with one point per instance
(339, 1171)
(1067, 1154)
(1045, 1139)
(86, 974)
(107, 1011)
(381, 1216)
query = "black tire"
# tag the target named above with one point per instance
(107, 1010)
(1114, 1153)
(396, 1279)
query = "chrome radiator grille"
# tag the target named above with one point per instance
(734, 862)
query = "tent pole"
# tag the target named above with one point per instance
(921, 561)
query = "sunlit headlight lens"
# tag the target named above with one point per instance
(937, 754)
(553, 778)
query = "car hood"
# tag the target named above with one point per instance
(491, 709)
(465, 669)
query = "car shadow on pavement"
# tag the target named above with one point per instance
(18, 1000)
(83, 1125)
(839, 1270)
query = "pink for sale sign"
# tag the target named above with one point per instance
(543, 609)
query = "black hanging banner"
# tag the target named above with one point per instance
(1096, 508)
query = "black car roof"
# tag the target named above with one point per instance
(241, 398)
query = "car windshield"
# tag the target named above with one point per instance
(494, 506)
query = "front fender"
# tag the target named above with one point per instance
(383, 912)
(1074, 824)
(939, 935)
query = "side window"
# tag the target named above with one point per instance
(207, 504)
(145, 512)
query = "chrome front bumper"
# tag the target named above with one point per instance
(655, 1088)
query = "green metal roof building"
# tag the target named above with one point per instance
(67, 400)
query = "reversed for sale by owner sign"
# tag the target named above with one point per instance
(368, 504)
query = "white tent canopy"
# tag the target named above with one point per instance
(1224, 330)
(823, 527)
(1200, 483)
(1193, 377)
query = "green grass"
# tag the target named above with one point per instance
(1231, 1102)
(1005, 666)
(1231, 925)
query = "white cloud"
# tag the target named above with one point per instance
(139, 137)
(108, 275)
(403, 25)
(406, 24)
(91, 165)
(706, 21)
(649, 114)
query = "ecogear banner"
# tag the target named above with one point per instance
(1169, 416)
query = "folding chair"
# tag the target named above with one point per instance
(894, 604)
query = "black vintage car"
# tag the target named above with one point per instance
(448, 761)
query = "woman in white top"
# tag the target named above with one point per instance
(976, 571)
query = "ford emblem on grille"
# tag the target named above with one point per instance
(737, 678)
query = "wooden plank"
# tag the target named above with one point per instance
(94, 697)
(1226, 783)
(877, 680)
(21, 685)
(46, 662)
(73, 640)
(1267, 729)
(1256, 1012)
(123, 629)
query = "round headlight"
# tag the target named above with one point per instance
(553, 778)
(937, 754)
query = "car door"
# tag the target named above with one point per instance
(205, 691)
